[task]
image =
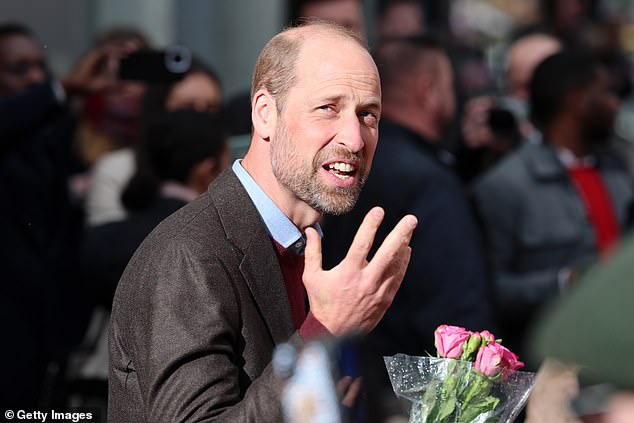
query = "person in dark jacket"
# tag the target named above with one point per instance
(38, 225)
(446, 282)
(183, 151)
(212, 290)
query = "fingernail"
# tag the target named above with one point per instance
(378, 212)
(412, 221)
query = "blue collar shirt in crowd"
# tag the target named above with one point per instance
(278, 225)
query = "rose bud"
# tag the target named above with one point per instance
(449, 340)
(495, 359)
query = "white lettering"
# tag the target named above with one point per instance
(31, 415)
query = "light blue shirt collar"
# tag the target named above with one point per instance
(278, 225)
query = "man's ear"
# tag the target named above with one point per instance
(263, 114)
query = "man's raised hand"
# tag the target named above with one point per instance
(355, 294)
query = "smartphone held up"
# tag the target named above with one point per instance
(156, 66)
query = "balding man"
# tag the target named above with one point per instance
(217, 285)
(523, 57)
(487, 137)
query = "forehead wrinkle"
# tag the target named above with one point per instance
(347, 82)
(332, 55)
(329, 75)
(350, 84)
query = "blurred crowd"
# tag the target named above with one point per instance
(513, 151)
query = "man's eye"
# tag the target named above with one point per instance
(369, 118)
(326, 107)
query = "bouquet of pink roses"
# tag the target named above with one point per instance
(474, 379)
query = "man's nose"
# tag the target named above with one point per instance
(350, 134)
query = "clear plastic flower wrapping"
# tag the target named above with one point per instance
(422, 379)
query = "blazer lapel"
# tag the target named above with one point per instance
(262, 273)
(259, 265)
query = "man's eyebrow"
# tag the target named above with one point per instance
(370, 103)
(373, 104)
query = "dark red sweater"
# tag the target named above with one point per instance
(292, 266)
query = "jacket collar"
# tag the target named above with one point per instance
(397, 132)
(542, 161)
(259, 266)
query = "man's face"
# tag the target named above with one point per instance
(327, 132)
(22, 64)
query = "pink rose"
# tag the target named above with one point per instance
(494, 359)
(449, 340)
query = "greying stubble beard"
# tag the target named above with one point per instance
(302, 178)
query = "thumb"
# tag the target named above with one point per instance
(312, 252)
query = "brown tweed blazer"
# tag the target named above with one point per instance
(196, 316)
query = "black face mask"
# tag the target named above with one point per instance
(20, 68)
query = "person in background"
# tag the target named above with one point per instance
(570, 21)
(551, 208)
(400, 18)
(218, 284)
(348, 13)
(493, 126)
(180, 154)
(109, 119)
(39, 227)
(410, 176)
(198, 90)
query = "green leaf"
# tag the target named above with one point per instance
(474, 390)
(446, 409)
(431, 402)
(475, 409)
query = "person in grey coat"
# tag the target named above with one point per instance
(217, 285)
(550, 209)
